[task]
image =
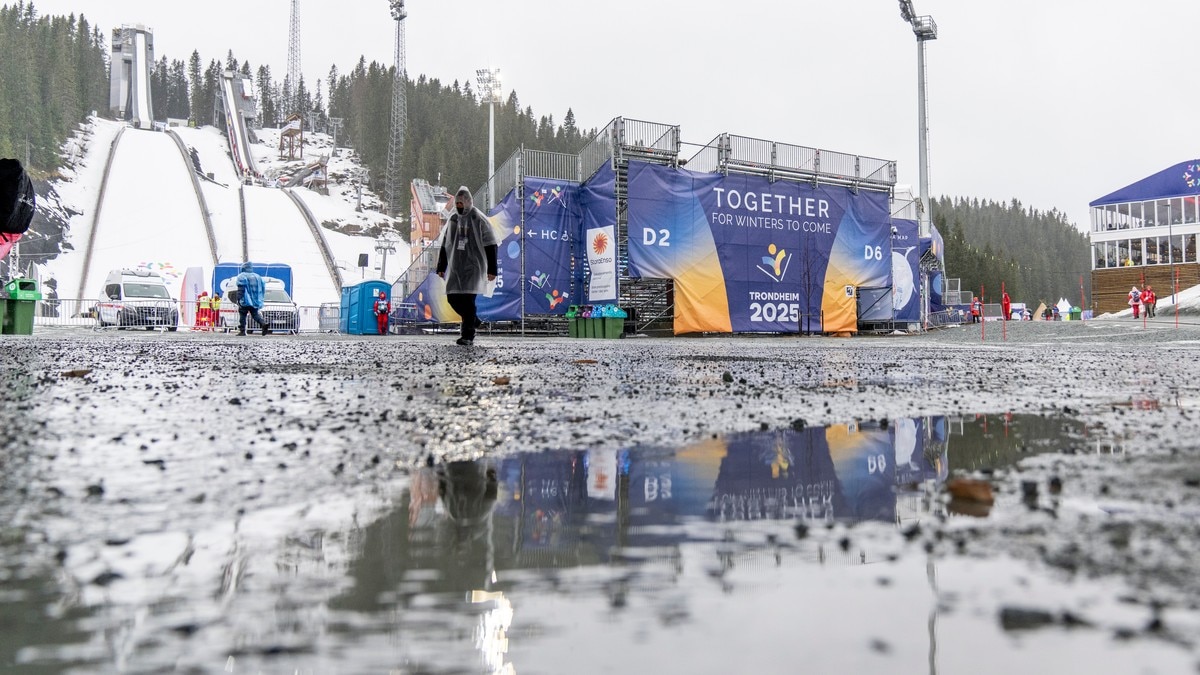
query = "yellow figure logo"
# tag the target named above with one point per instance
(777, 261)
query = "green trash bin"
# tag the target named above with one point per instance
(613, 327)
(595, 327)
(23, 295)
(1076, 314)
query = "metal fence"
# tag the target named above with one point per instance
(175, 315)
(729, 153)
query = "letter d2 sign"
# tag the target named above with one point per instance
(660, 238)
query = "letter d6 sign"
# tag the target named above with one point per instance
(872, 252)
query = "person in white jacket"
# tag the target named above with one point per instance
(467, 261)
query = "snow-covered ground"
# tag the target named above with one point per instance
(151, 216)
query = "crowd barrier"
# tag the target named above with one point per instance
(174, 315)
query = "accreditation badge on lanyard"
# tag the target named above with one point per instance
(460, 236)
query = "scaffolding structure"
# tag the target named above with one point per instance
(649, 302)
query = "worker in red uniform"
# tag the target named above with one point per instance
(382, 309)
(1006, 306)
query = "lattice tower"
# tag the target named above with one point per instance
(399, 111)
(293, 69)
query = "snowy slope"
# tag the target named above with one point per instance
(150, 214)
(277, 232)
(220, 193)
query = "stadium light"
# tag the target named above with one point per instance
(489, 92)
(925, 29)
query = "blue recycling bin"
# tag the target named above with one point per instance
(358, 307)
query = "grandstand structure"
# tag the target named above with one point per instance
(649, 301)
(1145, 233)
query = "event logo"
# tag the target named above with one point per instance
(1192, 176)
(544, 197)
(167, 271)
(776, 263)
(555, 298)
(539, 279)
(600, 243)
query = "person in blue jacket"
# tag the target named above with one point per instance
(250, 298)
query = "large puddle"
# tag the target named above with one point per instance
(743, 553)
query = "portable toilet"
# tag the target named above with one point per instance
(358, 307)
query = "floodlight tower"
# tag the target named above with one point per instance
(293, 71)
(489, 92)
(399, 110)
(925, 29)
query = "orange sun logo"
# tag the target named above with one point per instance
(600, 243)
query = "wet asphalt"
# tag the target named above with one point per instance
(110, 437)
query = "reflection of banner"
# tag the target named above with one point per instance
(551, 223)
(749, 255)
(601, 245)
(866, 468)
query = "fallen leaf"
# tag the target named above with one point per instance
(501, 381)
(971, 490)
(586, 361)
(78, 372)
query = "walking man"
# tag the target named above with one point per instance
(250, 298)
(467, 260)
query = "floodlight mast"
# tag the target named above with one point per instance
(925, 29)
(399, 122)
(489, 92)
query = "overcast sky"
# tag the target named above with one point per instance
(1053, 102)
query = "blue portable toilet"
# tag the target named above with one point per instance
(358, 307)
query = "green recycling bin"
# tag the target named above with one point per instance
(23, 295)
(1076, 314)
(613, 327)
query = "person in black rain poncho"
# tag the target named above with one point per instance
(467, 260)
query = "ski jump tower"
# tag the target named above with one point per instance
(129, 85)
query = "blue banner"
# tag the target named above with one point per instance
(551, 226)
(598, 205)
(753, 256)
(906, 271)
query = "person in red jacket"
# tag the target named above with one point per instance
(1006, 306)
(382, 309)
(1149, 299)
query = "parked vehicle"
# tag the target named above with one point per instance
(278, 308)
(137, 298)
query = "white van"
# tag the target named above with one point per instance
(137, 299)
(278, 308)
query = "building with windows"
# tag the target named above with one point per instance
(1145, 233)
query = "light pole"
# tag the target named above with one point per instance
(361, 176)
(335, 123)
(384, 245)
(925, 29)
(489, 92)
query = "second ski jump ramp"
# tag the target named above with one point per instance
(235, 126)
(276, 231)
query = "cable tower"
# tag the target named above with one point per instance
(399, 110)
(293, 68)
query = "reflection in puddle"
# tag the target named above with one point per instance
(477, 563)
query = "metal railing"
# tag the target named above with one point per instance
(730, 153)
(552, 165)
